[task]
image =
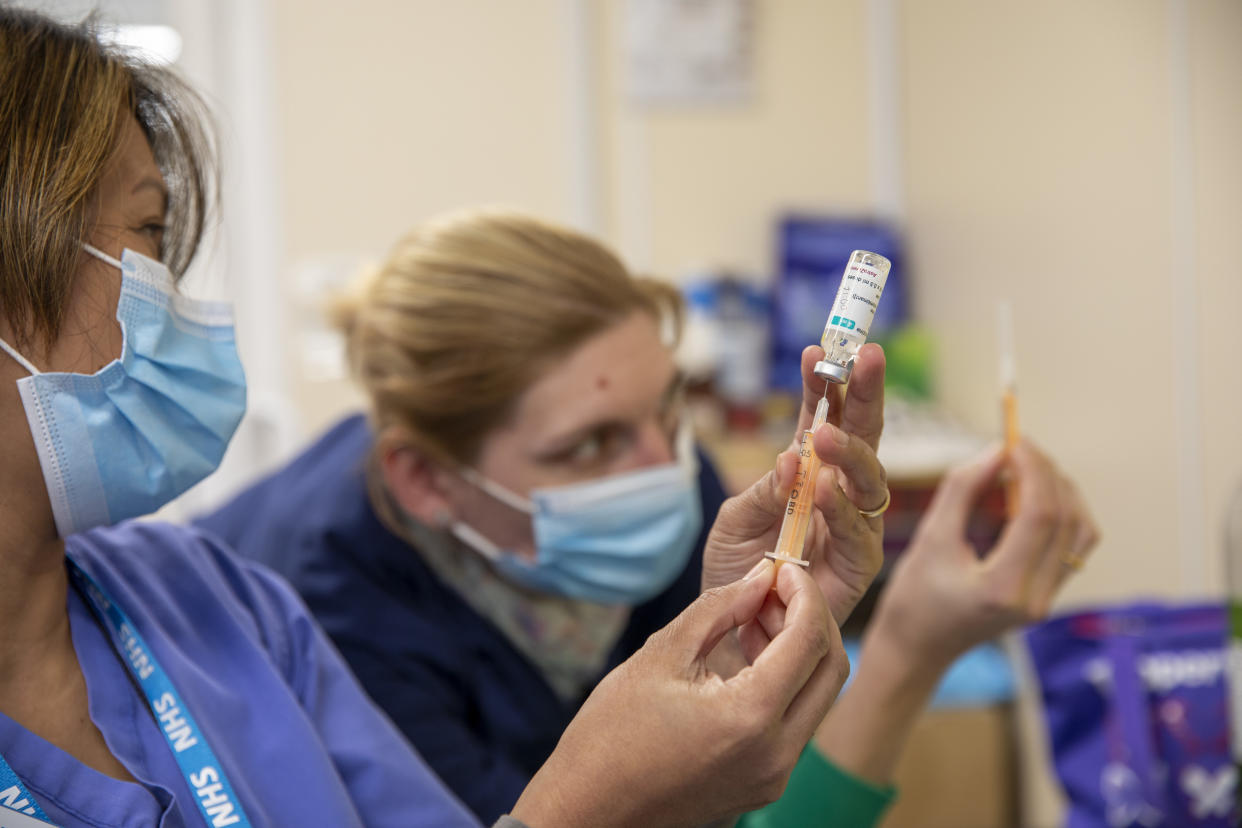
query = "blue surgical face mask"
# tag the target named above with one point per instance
(129, 438)
(617, 540)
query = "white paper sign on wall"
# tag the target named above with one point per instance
(689, 51)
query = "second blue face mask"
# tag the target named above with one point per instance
(617, 540)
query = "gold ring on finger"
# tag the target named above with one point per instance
(883, 507)
(1073, 562)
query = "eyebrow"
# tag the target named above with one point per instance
(151, 183)
(568, 440)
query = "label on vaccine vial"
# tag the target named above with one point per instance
(858, 297)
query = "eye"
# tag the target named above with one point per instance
(598, 449)
(154, 230)
(587, 451)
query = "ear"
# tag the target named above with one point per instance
(413, 479)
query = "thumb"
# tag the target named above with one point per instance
(753, 512)
(698, 629)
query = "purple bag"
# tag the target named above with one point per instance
(1136, 703)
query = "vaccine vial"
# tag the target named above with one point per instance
(849, 322)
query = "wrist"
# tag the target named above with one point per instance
(896, 672)
(570, 791)
(549, 805)
(538, 811)
(866, 731)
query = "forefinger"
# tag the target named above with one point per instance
(783, 668)
(863, 411)
(1040, 514)
(1050, 568)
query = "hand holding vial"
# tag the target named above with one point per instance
(843, 480)
(844, 548)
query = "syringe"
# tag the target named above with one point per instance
(798, 510)
(1009, 397)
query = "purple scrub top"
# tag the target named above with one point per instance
(295, 734)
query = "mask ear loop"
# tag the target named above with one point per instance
(18, 358)
(102, 256)
(471, 537)
(497, 491)
(684, 446)
(21, 360)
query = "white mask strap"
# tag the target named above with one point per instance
(472, 538)
(21, 360)
(683, 446)
(102, 256)
(498, 491)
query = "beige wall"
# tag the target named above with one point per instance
(392, 112)
(1216, 65)
(1040, 158)
(1038, 163)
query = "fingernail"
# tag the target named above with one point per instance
(759, 567)
(841, 438)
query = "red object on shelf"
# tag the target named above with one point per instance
(911, 499)
(742, 418)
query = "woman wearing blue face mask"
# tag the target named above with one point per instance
(523, 506)
(147, 675)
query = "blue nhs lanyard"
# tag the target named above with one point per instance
(216, 800)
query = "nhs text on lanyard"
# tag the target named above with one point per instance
(216, 800)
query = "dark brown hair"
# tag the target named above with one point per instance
(63, 95)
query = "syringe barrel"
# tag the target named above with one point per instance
(849, 322)
(798, 508)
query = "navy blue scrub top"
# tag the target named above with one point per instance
(476, 709)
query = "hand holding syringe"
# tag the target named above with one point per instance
(848, 325)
